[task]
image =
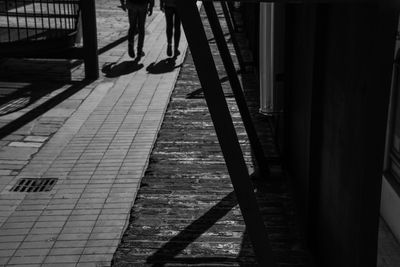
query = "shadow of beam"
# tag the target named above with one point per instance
(102, 50)
(23, 97)
(112, 45)
(41, 109)
(212, 39)
(200, 90)
(200, 260)
(193, 231)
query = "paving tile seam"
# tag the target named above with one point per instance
(65, 133)
(144, 168)
(92, 228)
(58, 139)
(55, 238)
(41, 164)
(153, 95)
(128, 84)
(135, 191)
(131, 198)
(175, 75)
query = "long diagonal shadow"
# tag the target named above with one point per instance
(22, 97)
(198, 91)
(41, 109)
(36, 112)
(212, 39)
(193, 231)
(103, 49)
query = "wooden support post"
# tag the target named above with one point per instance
(89, 32)
(233, 37)
(225, 130)
(231, 8)
(236, 88)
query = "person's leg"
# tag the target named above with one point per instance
(177, 33)
(142, 12)
(131, 32)
(169, 16)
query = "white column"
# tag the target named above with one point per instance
(266, 58)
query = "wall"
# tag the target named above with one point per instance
(339, 62)
(250, 14)
(299, 72)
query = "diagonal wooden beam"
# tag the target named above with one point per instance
(233, 36)
(236, 88)
(231, 8)
(224, 128)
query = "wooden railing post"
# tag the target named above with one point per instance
(89, 32)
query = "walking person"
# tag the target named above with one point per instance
(173, 22)
(137, 10)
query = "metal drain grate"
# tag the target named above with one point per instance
(32, 185)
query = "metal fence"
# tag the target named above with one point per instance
(37, 20)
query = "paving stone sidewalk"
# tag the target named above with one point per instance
(186, 212)
(94, 137)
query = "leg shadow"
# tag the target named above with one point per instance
(114, 70)
(163, 66)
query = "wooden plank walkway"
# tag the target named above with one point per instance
(99, 156)
(186, 212)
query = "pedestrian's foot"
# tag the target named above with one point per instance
(177, 52)
(169, 50)
(131, 51)
(140, 53)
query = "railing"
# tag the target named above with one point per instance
(49, 29)
(37, 20)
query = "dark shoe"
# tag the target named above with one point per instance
(140, 53)
(169, 50)
(131, 51)
(177, 52)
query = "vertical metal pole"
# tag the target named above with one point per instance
(233, 37)
(55, 18)
(69, 8)
(89, 30)
(236, 88)
(48, 17)
(65, 14)
(17, 17)
(35, 17)
(61, 18)
(225, 130)
(266, 54)
(26, 19)
(41, 15)
(8, 21)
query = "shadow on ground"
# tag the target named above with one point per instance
(168, 252)
(185, 213)
(114, 70)
(24, 82)
(163, 66)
